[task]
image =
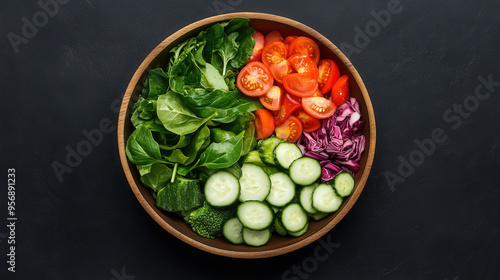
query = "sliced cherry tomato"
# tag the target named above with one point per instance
(291, 103)
(289, 40)
(264, 124)
(318, 93)
(301, 84)
(318, 107)
(304, 45)
(303, 64)
(274, 53)
(309, 124)
(281, 69)
(273, 36)
(258, 47)
(254, 79)
(340, 90)
(290, 130)
(273, 99)
(329, 73)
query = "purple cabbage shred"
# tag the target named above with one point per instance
(338, 143)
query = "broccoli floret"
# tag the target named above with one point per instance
(208, 221)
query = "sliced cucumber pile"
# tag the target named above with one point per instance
(279, 191)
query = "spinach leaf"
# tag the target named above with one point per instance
(158, 83)
(228, 105)
(144, 109)
(249, 140)
(175, 142)
(235, 25)
(183, 70)
(214, 80)
(222, 155)
(176, 116)
(219, 135)
(158, 176)
(153, 124)
(230, 80)
(141, 147)
(214, 41)
(228, 50)
(144, 169)
(246, 44)
(200, 140)
(177, 156)
(240, 123)
(144, 113)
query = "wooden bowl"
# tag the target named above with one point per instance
(277, 245)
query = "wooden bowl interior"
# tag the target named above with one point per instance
(175, 224)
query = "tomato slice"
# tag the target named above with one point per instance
(301, 84)
(289, 40)
(254, 79)
(280, 70)
(304, 45)
(291, 103)
(264, 124)
(290, 130)
(318, 107)
(273, 36)
(340, 90)
(318, 93)
(309, 124)
(329, 73)
(274, 53)
(303, 64)
(258, 47)
(273, 99)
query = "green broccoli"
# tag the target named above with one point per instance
(208, 221)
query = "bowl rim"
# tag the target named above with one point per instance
(218, 251)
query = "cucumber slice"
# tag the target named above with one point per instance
(294, 218)
(306, 198)
(282, 189)
(285, 153)
(256, 237)
(254, 157)
(299, 233)
(254, 183)
(232, 231)
(305, 171)
(255, 215)
(344, 184)
(318, 216)
(266, 149)
(325, 199)
(222, 189)
(278, 227)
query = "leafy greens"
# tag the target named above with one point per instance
(190, 119)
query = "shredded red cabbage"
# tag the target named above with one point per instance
(338, 143)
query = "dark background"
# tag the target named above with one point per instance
(441, 222)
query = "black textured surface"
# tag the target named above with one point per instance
(442, 222)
